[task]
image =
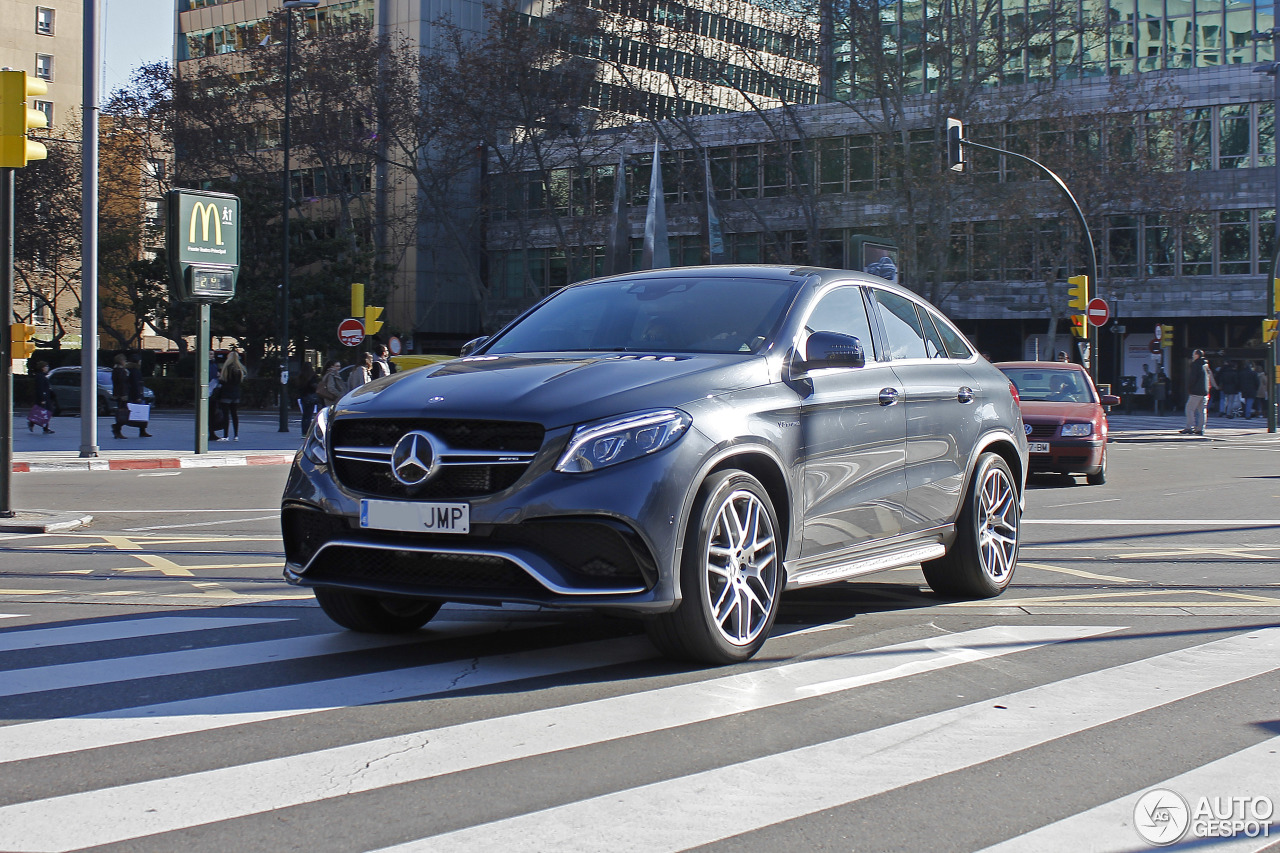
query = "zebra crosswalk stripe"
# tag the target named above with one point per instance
(123, 629)
(131, 725)
(94, 672)
(799, 782)
(162, 805)
(1109, 828)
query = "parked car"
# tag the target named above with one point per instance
(680, 445)
(1064, 416)
(65, 384)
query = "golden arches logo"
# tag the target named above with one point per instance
(205, 212)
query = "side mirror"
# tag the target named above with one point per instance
(1110, 400)
(473, 345)
(831, 349)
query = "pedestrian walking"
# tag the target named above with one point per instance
(126, 388)
(361, 373)
(331, 387)
(1229, 385)
(1160, 391)
(1248, 381)
(42, 408)
(308, 396)
(1200, 382)
(136, 394)
(230, 382)
(1061, 356)
(1264, 392)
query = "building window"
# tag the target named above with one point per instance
(44, 66)
(44, 21)
(1233, 242)
(46, 107)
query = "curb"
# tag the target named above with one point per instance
(99, 464)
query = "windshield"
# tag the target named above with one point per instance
(1050, 386)
(713, 315)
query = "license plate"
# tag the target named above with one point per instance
(1038, 447)
(415, 517)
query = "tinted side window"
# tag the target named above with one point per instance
(933, 345)
(901, 325)
(957, 346)
(843, 310)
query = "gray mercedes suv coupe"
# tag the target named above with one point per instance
(681, 445)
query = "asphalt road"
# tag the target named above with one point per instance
(161, 689)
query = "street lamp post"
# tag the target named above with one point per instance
(1273, 68)
(289, 6)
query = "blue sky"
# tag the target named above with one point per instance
(134, 32)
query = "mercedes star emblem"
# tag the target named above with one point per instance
(413, 459)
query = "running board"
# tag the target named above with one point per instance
(871, 564)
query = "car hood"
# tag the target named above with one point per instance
(554, 390)
(1041, 412)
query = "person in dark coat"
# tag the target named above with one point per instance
(308, 396)
(1229, 399)
(1249, 382)
(44, 394)
(230, 381)
(120, 394)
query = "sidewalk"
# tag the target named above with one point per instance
(1147, 426)
(171, 445)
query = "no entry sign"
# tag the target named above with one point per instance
(1098, 312)
(351, 332)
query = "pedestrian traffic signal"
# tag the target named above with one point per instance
(955, 150)
(371, 322)
(1079, 291)
(1079, 327)
(16, 118)
(1268, 331)
(20, 344)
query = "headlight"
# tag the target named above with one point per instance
(314, 448)
(1076, 430)
(605, 443)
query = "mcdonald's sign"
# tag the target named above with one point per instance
(203, 244)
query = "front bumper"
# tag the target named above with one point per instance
(605, 539)
(1069, 456)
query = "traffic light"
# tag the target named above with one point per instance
(1079, 292)
(16, 118)
(371, 322)
(955, 151)
(1078, 326)
(357, 300)
(1268, 331)
(20, 344)
(1166, 335)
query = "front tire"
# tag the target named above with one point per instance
(981, 561)
(731, 575)
(1100, 476)
(371, 614)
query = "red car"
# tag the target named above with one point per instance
(1064, 417)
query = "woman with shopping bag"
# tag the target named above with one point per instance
(42, 409)
(126, 390)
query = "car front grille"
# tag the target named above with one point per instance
(482, 458)
(1043, 431)
(590, 553)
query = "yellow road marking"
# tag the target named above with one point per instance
(31, 591)
(1077, 573)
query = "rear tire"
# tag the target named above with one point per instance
(731, 575)
(981, 561)
(371, 614)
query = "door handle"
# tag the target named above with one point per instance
(888, 396)
(965, 394)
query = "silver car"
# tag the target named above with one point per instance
(681, 445)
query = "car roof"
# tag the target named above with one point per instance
(775, 272)
(1041, 365)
